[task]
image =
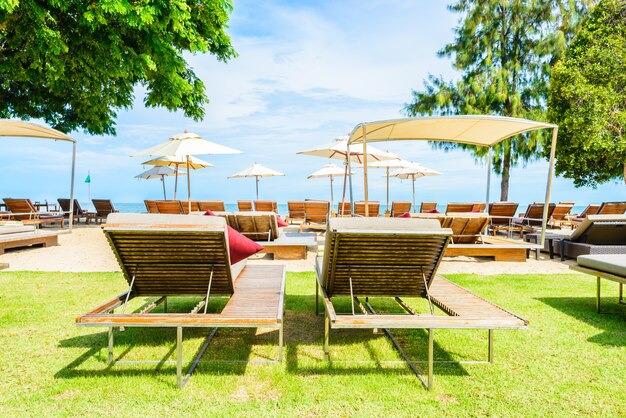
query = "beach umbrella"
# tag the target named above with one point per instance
(413, 173)
(186, 145)
(173, 161)
(159, 173)
(257, 171)
(330, 171)
(387, 164)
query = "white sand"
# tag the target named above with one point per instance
(86, 249)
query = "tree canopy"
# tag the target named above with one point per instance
(76, 63)
(504, 50)
(588, 99)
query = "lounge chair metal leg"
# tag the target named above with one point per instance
(326, 337)
(490, 349)
(179, 357)
(431, 333)
(110, 346)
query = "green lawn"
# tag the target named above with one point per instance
(570, 361)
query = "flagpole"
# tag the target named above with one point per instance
(89, 189)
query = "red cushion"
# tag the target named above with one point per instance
(433, 211)
(280, 222)
(240, 247)
(404, 215)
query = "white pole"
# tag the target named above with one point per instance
(365, 191)
(257, 187)
(163, 182)
(331, 193)
(88, 190)
(488, 180)
(72, 184)
(188, 186)
(387, 209)
(413, 178)
(544, 221)
(350, 177)
(176, 181)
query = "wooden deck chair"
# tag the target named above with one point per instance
(373, 212)
(343, 209)
(151, 206)
(532, 218)
(459, 207)
(265, 206)
(296, 211)
(258, 226)
(560, 215)
(479, 207)
(316, 214)
(79, 213)
(24, 210)
(171, 207)
(166, 256)
(397, 258)
(428, 206)
(244, 205)
(576, 219)
(398, 208)
(501, 217)
(612, 208)
(103, 208)
(466, 227)
(212, 205)
(195, 207)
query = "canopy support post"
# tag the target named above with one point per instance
(188, 187)
(489, 156)
(365, 191)
(544, 221)
(413, 181)
(331, 194)
(387, 212)
(72, 185)
(176, 182)
(350, 177)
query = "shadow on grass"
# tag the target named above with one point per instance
(584, 309)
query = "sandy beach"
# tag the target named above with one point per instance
(87, 250)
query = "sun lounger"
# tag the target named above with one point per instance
(165, 256)
(606, 266)
(195, 207)
(373, 212)
(575, 220)
(398, 258)
(79, 213)
(343, 209)
(501, 217)
(104, 207)
(23, 210)
(612, 208)
(151, 206)
(258, 226)
(171, 207)
(244, 205)
(212, 205)
(398, 208)
(265, 206)
(597, 234)
(296, 212)
(560, 214)
(428, 207)
(14, 234)
(532, 219)
(315, 215)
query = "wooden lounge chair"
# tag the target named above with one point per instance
(151, 206)
(398, 208)
(597, 234)
(195, 207)
(460, 207)
(428, 206)
(316, 214)
(165, 256)
(212, 205)
(373, 212)
(244, 205)
(606, 266)
(502, 214)
(296, 212)
(265, 206)
(531, 220)
(612, 208)
(79, 213)
(591, 209)
(24, 210)
(258, 226)
(171, 207)
(560, 214)
(104, 207)
(343, 209)
(398, 258)
(466, 227)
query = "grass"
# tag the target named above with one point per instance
(570, 362)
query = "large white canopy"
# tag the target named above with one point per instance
(479, 130)
(10, 127)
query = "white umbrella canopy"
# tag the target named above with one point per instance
(257, 171)
(414, 172)
(173, 161)
(338, 150)
(160, 173)
(329, 170)
(185, 145)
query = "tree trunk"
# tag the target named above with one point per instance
(506, 174)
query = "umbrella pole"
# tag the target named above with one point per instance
(413, 178)
(365, 191)
(387, 208)
(257, 187)
(343, 196)
(188, 187)
(175, 182)
(163, 182)
(331, 195)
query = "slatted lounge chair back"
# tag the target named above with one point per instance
(103, 206)
(466, 227)
(265, 206)
(374, 209)
(534, 213)
(382, 257)
(459, 207)
(257, 225)
(316, 211)
(479, 207)
(428, 206)
(244, 205)
(212, 205)
(171, 255)
(171, 207)
(502, 212)
(296, 210)
(561, 210)
(195, 207)
(151, 206)
(343, 208)
(21, 208)
(398, 208)
(592, 209)
(601, 230)
(65, 206)
(612, 208)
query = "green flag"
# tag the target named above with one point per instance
(88, 179)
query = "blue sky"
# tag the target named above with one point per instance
(307, 72)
